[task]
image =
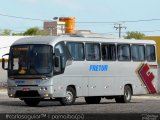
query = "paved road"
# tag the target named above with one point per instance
(138, 105)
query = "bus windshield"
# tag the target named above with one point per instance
(30, 60)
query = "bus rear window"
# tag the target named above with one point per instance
(150, 53)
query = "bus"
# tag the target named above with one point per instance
(66, 67)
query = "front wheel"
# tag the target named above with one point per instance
(31, 102)
(126, 98)
(70, 97)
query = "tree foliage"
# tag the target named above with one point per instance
(135, 35)
(17, 34)
(35, 31)
(31, 31)
(6, 32)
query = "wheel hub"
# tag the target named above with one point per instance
(69, 96)
(127, 94)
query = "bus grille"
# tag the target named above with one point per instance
(32, 93)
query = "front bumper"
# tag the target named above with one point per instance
(30, 92)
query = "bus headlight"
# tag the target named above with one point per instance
(43, 88)
(10, 95)
(46, 95)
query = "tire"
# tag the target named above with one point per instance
(92, 100)
(31, 102)
(126, 98)
(70, 97)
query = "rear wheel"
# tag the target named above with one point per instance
(92, 100)
(31, 102)
(126, 98)
(70, 97)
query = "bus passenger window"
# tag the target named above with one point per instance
(138, 52)
(76, 50)
(108, 52)
(92, 51)
(150, 53)
(61, 50)
(123, 52)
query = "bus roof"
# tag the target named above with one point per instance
(35, 40)
(51, 40)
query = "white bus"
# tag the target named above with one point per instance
(66, 67)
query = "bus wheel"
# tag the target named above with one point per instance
(31, 102)
(92, 100)
(126, 98)
(70, 97)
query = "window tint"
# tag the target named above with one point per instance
(138, 53)
(92, 51)
(41, 61)
(76, 50)
(123, 52)
(108, 52)
(150, 53)
(30, 60)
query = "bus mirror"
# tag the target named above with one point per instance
(4, 63)
(57, 64)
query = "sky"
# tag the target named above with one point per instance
(89, 11)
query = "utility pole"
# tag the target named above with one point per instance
(118, 26)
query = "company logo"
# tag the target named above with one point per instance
(146, 77)
(19, 82)
(98, 68)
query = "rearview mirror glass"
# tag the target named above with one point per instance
(57, 64)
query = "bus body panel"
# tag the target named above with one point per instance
(90, 78)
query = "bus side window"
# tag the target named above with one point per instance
(123, 52)
(108, 52)
(150, 53)
(76, 50)
(92, 51)
(138, 52)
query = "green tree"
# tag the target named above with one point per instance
(42, 32)
(6, 32)
(35, 31)
(31, 31)
(17, 34)
(135, 35)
